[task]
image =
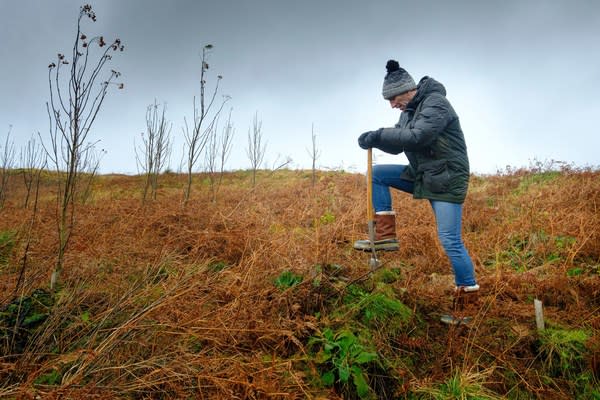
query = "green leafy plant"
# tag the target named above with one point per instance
(217, 266)
(53, 377)
(287, 279)
(562, 246)
(565, 242)
(343, 359)
(520, 254)
(85, 317)
(20, 319)
(327, 218)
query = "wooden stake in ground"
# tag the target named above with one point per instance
(539, 314)
(373, 261)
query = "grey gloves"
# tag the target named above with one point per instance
(369, 139)
(385, 139)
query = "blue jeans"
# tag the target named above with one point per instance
(448, 218)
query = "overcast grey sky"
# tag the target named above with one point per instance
(523, 75)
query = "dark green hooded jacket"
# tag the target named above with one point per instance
(430, 135)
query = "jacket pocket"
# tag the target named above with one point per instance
(436, 177)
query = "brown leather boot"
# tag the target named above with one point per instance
(465, 305)
(385, 234)
(466, 299)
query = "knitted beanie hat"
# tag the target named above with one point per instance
(396, 81)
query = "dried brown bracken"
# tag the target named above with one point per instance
(179, 302)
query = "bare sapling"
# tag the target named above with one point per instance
(77, 93)
(256, 148)
(33, 161)
(280, 163)
(7, 161)
(218, 151)
(204, 121)
(314, 154)
(153, 154)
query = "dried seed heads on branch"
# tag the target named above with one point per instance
(76, 96)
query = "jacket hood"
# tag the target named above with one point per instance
(426, 87)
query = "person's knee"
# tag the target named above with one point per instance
(378, 174)
(450, 242)
(377, 170)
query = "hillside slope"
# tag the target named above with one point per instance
(259, 295)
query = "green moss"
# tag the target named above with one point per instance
(379, 309)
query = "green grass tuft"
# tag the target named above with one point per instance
(563, 351)
(287, 279)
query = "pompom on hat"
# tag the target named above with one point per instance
(397, 81)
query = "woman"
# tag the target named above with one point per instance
(430, 136)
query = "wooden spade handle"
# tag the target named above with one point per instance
(370, 216)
